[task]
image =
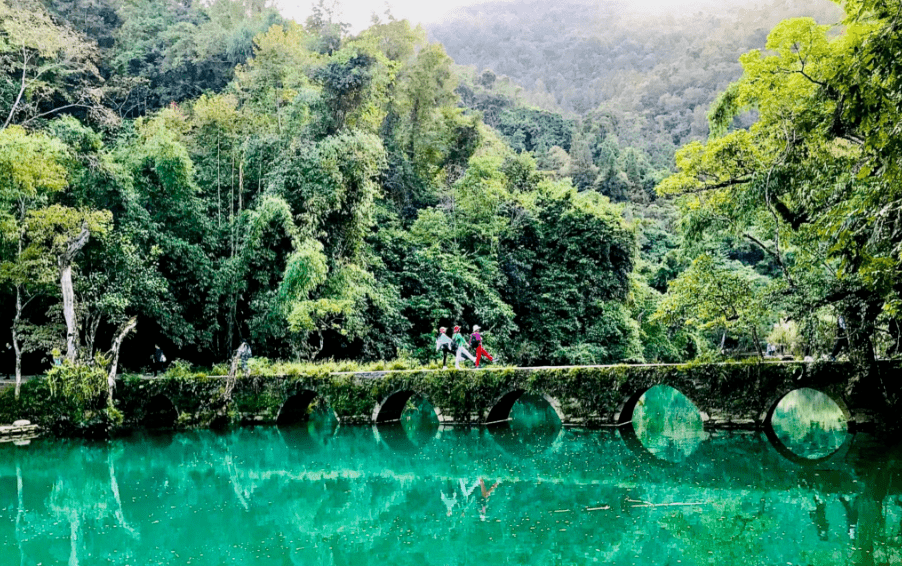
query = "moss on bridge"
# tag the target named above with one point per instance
(729, 395)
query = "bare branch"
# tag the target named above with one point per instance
(129, 325)
(716, 186)
(76, 245)
(12, 110)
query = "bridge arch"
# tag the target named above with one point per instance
(501, 408)
(160, 412)
(392, 406)
(662, 444)
(624, 412)
(296, 408)
(783, 450)
(774, 400)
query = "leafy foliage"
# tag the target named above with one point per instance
(811, 183)
(328, 196)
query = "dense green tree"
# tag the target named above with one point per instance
(183, 49)
(812, 182)
(575, 255)
(45, 68)
(317, 193)
(167, 214)
(712, 294)
(31, 171)
(580, 58)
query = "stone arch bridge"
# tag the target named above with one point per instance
(741, 395)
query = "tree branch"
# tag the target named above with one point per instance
(761, 245)
(54, 111)
(12, 110)
(129, 325)
(767, 198)
(76, 245)
(794, 219)
(804, 74)
(721, 185)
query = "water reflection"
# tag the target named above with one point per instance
(667, 424)
(810, 424)
(473, 497)
(160, 413)
(534, 427)
(249, 497)
(533, 411)
(417, 426)
(313, 433)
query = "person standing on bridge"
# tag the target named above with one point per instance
(159, 359)
(244, 354)
(462, 351)
(445, 345)
(476, 338)
(842, 338)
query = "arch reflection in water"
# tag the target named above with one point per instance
(306, 421)
(244, 497)
(667, 424)
(533, 427)
(160, 413)
(809, 423)
(416, 427)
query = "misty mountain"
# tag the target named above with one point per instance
(654, 75)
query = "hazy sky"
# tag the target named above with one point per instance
(358, 12)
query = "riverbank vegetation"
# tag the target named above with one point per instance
(197, 174)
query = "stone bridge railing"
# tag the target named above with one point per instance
(740, 395)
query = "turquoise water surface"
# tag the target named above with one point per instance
(657, 493)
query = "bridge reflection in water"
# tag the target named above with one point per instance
(809, 424)
(658, 490)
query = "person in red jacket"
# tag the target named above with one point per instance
(476, 338)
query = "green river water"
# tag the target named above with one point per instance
(660, 491)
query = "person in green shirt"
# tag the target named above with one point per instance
(461, 348)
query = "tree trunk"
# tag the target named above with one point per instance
(859, 331)
(320, 348)
(16, 346)
(12, 111)
(895, 333)
(19, 306)
(230, 382)
(69, 311)
(240, 185)
(64, 261)
(757, 343)
(117, 343)
(232, 206)
(218, 185)
(20, 510)
(92, 322)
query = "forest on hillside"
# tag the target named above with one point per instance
(587, 60)
(215, 173)
(196, 174)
